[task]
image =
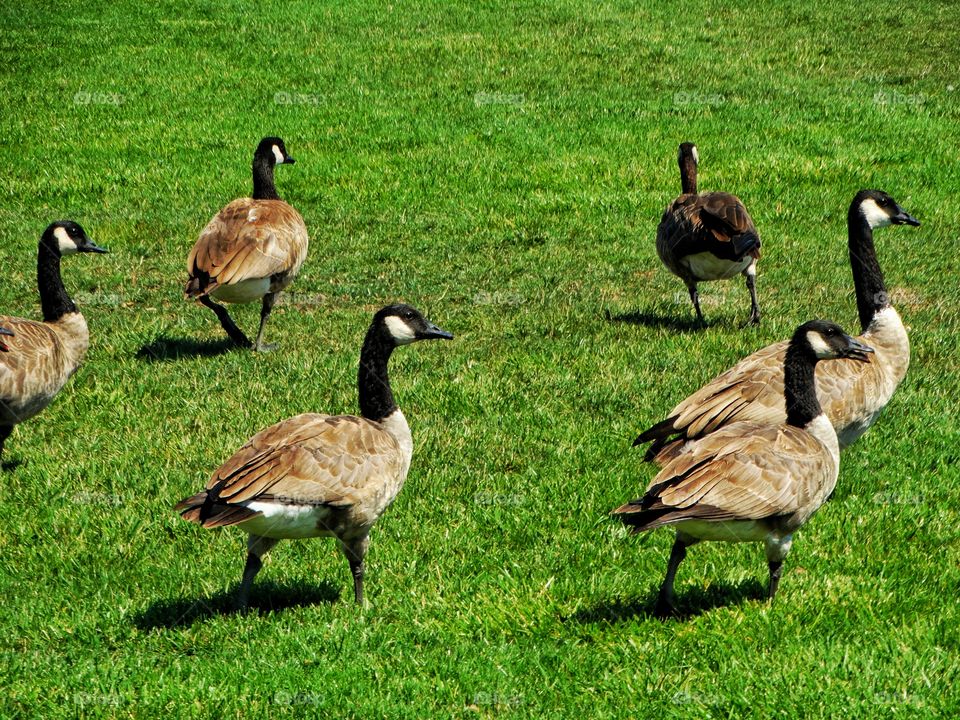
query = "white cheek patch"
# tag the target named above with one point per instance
(875, 215)
(820, 346)
(696, 155)
(401, 332)
(66, 243)
(279, 156)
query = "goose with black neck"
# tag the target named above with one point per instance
(750, 481)
(41, 357)
(321, 475)
(852, 394)
(251, 250)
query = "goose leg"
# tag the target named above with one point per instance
(235, 333)
(257, 547)
(355, 550)
(268, 300)
(664, 607)
(695, 298)
(751, 274)
(776, 550)
(5, 431)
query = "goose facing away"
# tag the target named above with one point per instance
(251, 250)
(752, 481)
(8, 333)
(43, 355)
(321, 475)
(852, 393)
(707, 236)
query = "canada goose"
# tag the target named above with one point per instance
(321, 475)
(44, 354)
(251, 249)
(8, 333)
(852, 394)
(752, 481)
(707, 236)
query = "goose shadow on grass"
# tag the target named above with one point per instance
(265, 598)
(689, 604)
(649, 319)
(163, 348)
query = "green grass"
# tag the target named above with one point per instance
(502, 168)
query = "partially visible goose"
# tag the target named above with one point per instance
(321, 475)
(250, 250)
(852, 393)
(44, 354)
(707, 236)
(8, 333)
(752, 482)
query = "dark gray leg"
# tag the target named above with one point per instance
(235, 333)
(257, 547)
(268, 300)
(5, 431)
(776, 567)
(695, 298)
(664, 607)
(751, 273)
(355, 550)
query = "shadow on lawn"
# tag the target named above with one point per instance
(265, 597)
(654, 320)
(689, 604)
(164, 348)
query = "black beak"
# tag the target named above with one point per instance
(288, 160)
(856, 350)
(88, 246)
(904, 218)
(434, 333)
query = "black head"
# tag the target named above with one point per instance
(8, 333)
(273, 151)
(827, 340)
(65, 237)
(403, 325)
(880, 210)
(687, 149)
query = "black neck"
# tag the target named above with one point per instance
(53, 295)
(799, 389)
(867, 276)
(263, 187)
(376, 398)
(688, 175)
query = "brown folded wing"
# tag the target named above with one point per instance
(33, 371)
(337, 461)
(249, 239)
(704, 223)
(744, 472)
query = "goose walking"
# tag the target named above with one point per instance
(708, 236)
(321, 475)
(752, 482)
(43, 355)
(852, 394)
(251, 250)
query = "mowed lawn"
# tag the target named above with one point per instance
(503, 168)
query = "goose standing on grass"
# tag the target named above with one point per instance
(250, 250)
(44, 354)
(852, 393)
(752, 481)
(8, 333)
(708, 236)
(321, 475)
